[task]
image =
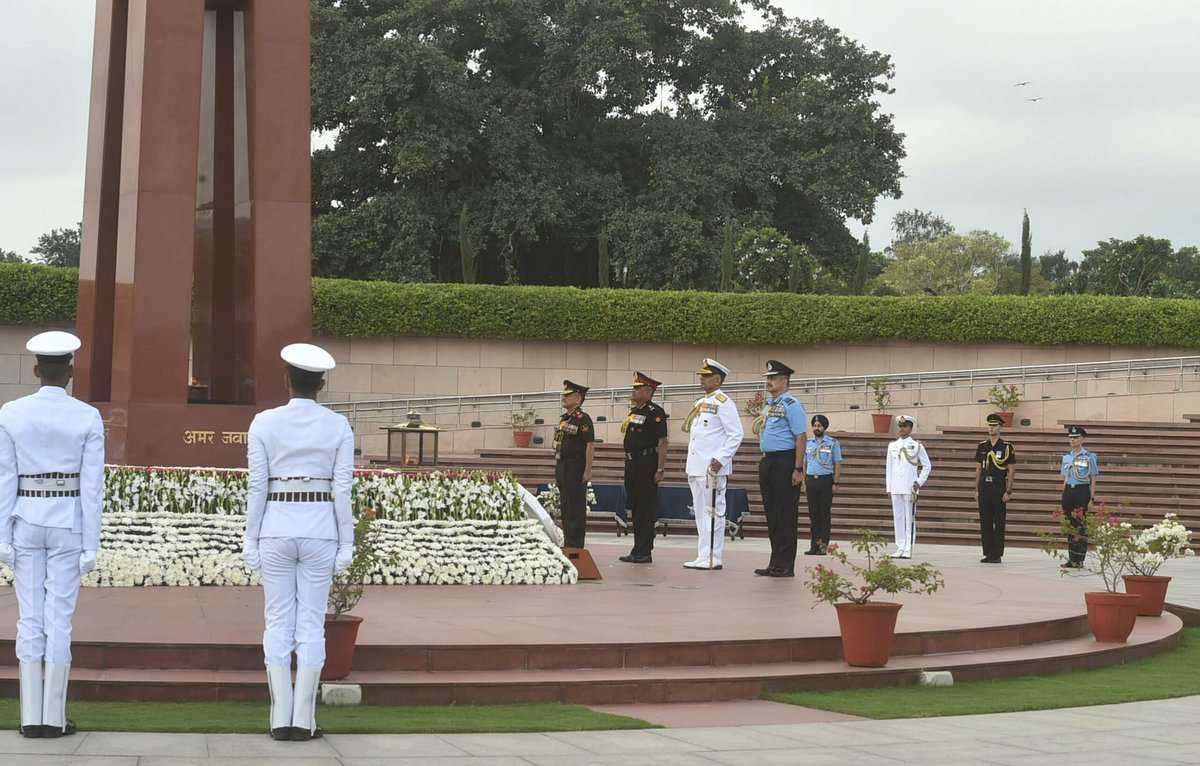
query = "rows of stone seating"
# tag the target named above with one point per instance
(1147, 470)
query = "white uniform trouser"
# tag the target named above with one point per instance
(46, 574)
(297, 573)
(902, 517)
(701, 499)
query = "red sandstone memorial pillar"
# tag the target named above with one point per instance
(195, 266)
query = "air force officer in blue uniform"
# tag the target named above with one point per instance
(299, 531)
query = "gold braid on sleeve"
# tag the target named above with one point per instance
(756, 427)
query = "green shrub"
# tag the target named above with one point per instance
(32, 294)
(41, 295)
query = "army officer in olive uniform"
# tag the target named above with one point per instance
(574, 447)
(645, 430)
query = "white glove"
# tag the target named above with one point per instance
(345, 555)
(87, 562)
(252, 558)
(7, 554)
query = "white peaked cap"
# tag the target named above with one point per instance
(715, 366)
(53, 343)
(306, 356)
(908, 418)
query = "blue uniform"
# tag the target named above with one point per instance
(1079, 468)
(785, 420)
(821, 454)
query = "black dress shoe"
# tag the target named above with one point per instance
(985, 560)
(33, 731)
(300, 734)
(762, 572)
(782, 573)
(282, 734)
(995, 560)
(631, 559)
(54, 732)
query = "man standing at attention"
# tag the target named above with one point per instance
(299, 532)
(51, 495)
(994, 474)
(1079, 471)
(574, 447)
(646, 441)
(781, 468)
(908, 469)
(714, 433)
(822, 471)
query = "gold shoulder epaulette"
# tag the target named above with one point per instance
(722, 398)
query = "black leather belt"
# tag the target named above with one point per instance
(631, 454)
(300, 497)
(47, 493)
(51, 475)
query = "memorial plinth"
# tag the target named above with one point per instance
(196, 259)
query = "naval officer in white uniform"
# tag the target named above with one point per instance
(51, 495)
(299, 531)
(714, 434)
(908, 469)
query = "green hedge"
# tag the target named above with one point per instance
(38, 295)
(343, 307)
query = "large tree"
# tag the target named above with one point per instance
(953, 264)
(1125, 267)
(1026, 255)
(648, 125)
(58, 247)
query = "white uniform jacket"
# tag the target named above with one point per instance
(52, 432)
(716, 433)
(300, 439)
(901, 472)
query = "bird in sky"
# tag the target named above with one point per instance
(1023, 82)
(1039, 98)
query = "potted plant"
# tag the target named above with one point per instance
(881, 421)
(868, 626)
(1005, 399)
(1167, 539)
(521, 419)
(1111, 614)
(341, 628)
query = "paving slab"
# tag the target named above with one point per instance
(733, 713)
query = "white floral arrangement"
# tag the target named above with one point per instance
(184, 527)
(455, 495)
(1154, 546)
(550, 499)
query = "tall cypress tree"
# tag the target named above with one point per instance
(864, 262)
(1026, 255)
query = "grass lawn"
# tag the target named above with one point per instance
(1172, 674)
(243, 717)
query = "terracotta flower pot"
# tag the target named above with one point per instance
(522, 438)
(867, 631)
(1006, 418)
(1152, 589)
(1111, 615)
(341, 634)
(881, 421)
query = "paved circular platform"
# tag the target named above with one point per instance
(645, 633)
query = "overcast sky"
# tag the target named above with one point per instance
(1113, 150)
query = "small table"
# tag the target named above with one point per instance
(405, 431)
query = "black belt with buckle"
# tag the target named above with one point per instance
(631, 454)
(48, 492)
(300, 497)
(51, 475)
